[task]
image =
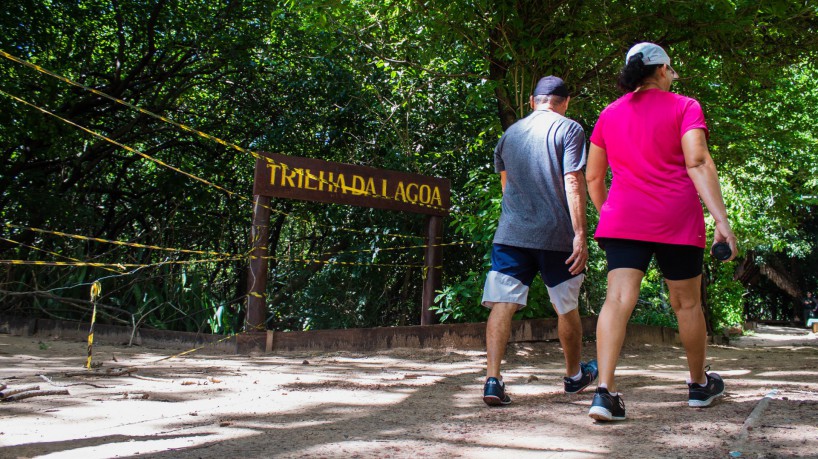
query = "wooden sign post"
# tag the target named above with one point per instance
(324, 181)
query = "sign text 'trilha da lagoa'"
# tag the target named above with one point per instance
(316, 180)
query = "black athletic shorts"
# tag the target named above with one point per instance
(677, 262)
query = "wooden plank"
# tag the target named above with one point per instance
(18, 326)
(121, 335)
(433, 258)
(455, 336)
(251, 343)
(460, 336)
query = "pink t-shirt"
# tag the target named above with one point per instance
(651, 197)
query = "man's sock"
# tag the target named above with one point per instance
(605, 386)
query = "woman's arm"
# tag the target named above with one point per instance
(702, 170)
(595, 172)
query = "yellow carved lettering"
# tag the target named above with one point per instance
(357, 185)
(300, 173)
(412, 196)
(307, 177)
(425, 194)
(285, 177)
(273, 168)
(321, 181)
(436, 198)
(340, 182)
(400, 193)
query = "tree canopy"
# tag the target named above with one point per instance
(424, 87)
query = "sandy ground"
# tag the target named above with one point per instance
(404, 403)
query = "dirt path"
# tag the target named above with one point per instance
(404, 403)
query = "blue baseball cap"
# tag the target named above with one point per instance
(551, 85)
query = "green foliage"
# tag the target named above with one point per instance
(725, 296)
(648, 313)
(653, 306)
(460, 301)
(478, 211)
(424, 87)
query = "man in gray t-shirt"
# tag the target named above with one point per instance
(542, 229)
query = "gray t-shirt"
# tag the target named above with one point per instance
(536, 152)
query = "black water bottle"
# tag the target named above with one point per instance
(721, 251)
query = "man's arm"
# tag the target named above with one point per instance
(575, 192)
(503, 180)
(702, 170)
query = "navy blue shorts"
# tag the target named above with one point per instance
(514, 268)
(676, 262)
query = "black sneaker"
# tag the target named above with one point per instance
(607, 407)
(494, 393)
(589, 373)
(702, 396)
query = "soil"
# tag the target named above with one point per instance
(402, 403)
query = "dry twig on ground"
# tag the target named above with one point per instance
(50, 381)
(10, 392)
(35, 393)
(109, 372)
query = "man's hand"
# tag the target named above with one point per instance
(575, 191)
(579, 256)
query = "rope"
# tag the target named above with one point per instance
(179, 125)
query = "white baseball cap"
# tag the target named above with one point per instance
(652, 54)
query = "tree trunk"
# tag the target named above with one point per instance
(497, 73)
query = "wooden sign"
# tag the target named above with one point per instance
(324, 181)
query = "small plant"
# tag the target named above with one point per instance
(459, 302)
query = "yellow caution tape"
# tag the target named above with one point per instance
(167, 120)
(187, 174)
(49, 252)
(120, 266)
(96, 289)
(408, 247)
(109, 241)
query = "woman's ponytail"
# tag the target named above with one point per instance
(634, 73)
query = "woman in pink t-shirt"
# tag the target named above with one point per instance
(655, 143)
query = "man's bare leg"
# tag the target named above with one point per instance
(570, 333)
(498, 330)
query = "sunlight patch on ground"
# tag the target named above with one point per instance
(520, 444)
(401, 403)
(786, 374)
(129, 447)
